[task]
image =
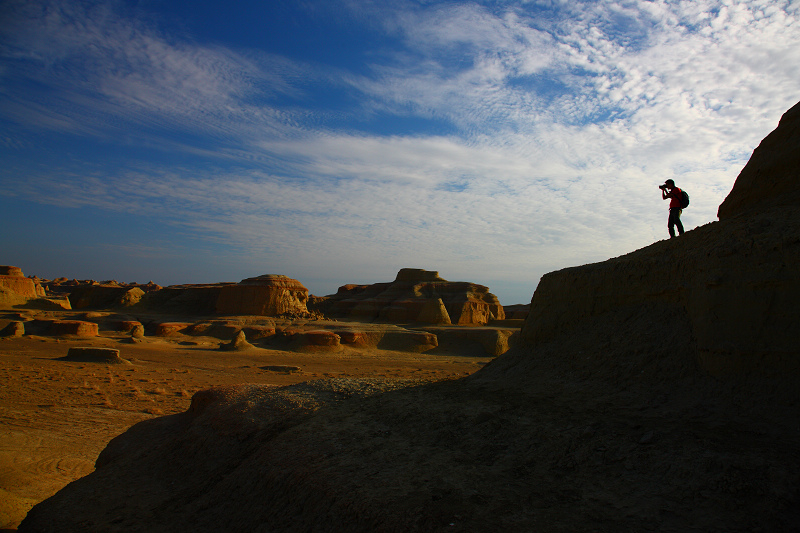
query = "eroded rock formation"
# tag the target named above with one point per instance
(104, 296)
(16, 287)
(416, 295)
(658, 390)
(268, 295)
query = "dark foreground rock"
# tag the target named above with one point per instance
(655, 391)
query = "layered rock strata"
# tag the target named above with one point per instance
(415, 296)
(16, 289)
(268, 295)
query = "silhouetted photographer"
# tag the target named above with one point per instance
(676, 205)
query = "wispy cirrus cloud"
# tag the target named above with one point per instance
(91, 70)
(559, 118)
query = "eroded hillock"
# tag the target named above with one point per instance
(415, 295)
(655, 391)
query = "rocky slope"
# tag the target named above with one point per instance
(655, 391)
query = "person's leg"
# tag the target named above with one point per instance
(678, 221)
(671, 223)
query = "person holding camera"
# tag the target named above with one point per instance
(669, 190)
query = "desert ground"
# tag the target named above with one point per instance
(57, 415)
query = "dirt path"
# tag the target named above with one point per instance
(56, 416)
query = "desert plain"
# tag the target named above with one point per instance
(57, 415)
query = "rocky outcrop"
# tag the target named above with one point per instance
(171, 329)
(734, 286)
(190, 299)
(268, 295)
(770, 178)
(104, 296)
(475, 341)
(415, 296)
(73, 328)
(517, 311)
(92, 354)
(11, 271)
(238, 343)
(15, 328)
(13, 281)
(660, 390)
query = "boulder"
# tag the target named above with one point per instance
(477, 341)
(76, 328)
(13, 329)
(286, 369)
(171, 329)
(94, 355)
(267, 295)
(137, 332)
(128, 326)
(408, 341)
(319, 337)
(239, 343)
(220, 329)
(258, 332)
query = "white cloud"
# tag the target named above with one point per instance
(561, 131)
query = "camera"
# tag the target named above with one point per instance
(662, 187)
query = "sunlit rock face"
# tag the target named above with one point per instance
(268, 295)
(13, 281)
(416, 295)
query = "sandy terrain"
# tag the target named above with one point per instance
(56, 416)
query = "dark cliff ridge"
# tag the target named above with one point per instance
(654, 391)
(772, 175)
(735, 284)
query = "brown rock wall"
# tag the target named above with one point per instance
(77, 328)
(170, 329)
(12, 271)
(269, 295)
(415, 296)
(12, 280)
(104, 296)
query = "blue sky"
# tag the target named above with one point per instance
(338, 141)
